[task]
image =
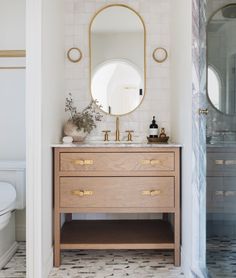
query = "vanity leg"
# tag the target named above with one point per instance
(57, 236)
(177, 239)
(165, 216)
(57, 215)
(68, 217)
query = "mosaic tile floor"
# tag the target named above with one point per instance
(101, 264)
(221, 257)
(117, 264)
(16, 268)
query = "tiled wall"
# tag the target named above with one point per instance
(156, 15)
(216, 120)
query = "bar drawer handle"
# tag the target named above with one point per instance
(219, 162)
(151, 161)
(230, 162)
(151, 192)
(83, 162)
(82, 193)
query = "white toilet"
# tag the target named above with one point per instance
(12, 197)
(7, 203)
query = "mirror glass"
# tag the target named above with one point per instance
(117, 59)
(221, 55)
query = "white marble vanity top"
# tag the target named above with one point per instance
(114, 144)
(222, 145)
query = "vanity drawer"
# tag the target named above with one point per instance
(219, 164)
(117, 192)
(113, 162)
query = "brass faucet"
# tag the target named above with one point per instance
(117, 129)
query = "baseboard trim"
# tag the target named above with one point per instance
(5, 258)
(48, 264)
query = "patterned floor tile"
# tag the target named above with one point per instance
(221, 257)
(16, 268)
(221, 260)
(117, 264)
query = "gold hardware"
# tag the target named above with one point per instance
(83, 162)
(230, 193)
(151, 192)
(219, 193)
(106, 135)
(155, 54)
(69, 56)
(144, 46)
(12, 53)
(82, 193)
(117, 129)
(129, 135)
(219, 162)
(150, 161)
(203, 111)
(230, 162)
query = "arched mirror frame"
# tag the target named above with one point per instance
(90, 52)
(208, 98)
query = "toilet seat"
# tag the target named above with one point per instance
(7, 198)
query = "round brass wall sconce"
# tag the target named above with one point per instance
(74, 55)
(160, 55)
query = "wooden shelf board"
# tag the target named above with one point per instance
(117, 234)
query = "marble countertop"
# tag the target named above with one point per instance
(222, 145)
(115, 145)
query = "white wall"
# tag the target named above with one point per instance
(12, 82)
(12, 114)
(12, 24)
(12, 91)
(45, 99)
(181, 106)
(156, 15)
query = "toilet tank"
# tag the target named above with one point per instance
(14, 173)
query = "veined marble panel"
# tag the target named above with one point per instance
(199, 135)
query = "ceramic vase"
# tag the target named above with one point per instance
(70, 129)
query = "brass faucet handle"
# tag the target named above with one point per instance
(129, 135)
(106, 135)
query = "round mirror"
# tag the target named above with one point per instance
(221, 56)
(117, 59)
(118, 86)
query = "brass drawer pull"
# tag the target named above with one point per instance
(225, 193)
(230, 193)
(150, 161)
(83, 162)
(219, 193)
(219, 162)
(82, 193)
(151, 192)
(230, 162)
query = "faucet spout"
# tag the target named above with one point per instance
(117, 129)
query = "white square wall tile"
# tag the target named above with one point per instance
(156, 15)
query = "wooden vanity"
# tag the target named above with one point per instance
(113, 179)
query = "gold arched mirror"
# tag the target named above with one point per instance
(221, 59)
(117, 59)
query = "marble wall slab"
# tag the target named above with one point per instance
(199, 135)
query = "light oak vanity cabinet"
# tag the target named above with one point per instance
(117, 180)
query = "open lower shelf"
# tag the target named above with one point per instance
(117, 234)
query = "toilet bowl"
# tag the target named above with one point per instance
(7, 203)
(12, 197)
